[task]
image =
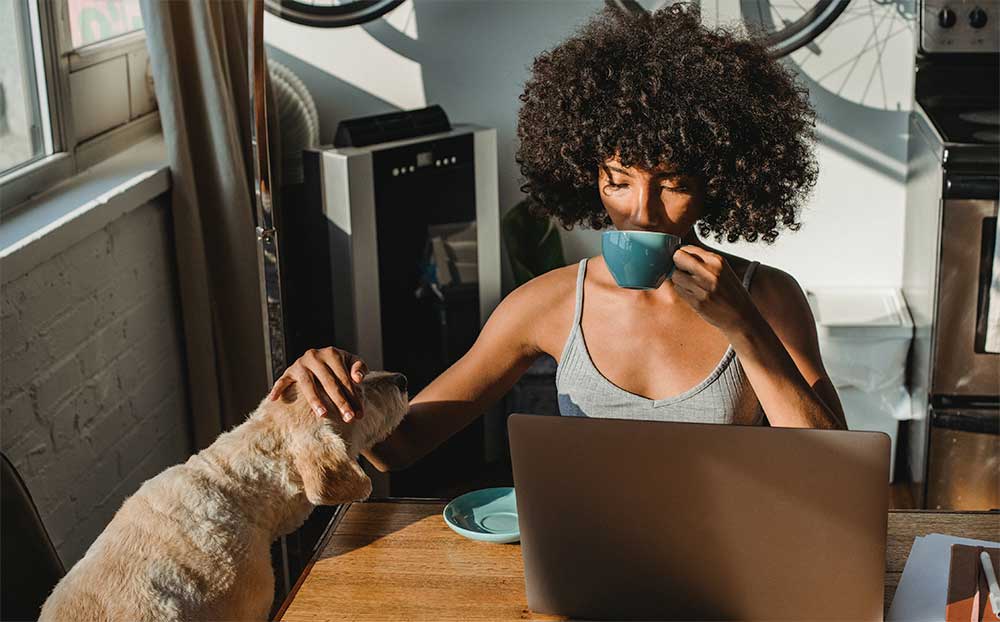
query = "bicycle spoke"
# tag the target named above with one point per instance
(857, 59)
(891, 36)
(878, 65)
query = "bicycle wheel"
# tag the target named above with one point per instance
(330, 13)
(798, 23)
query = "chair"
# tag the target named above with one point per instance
(31, 566)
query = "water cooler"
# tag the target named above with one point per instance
(413, 250)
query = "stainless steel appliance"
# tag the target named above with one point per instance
(413, 237)
(951, 277)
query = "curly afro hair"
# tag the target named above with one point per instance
(661, 87)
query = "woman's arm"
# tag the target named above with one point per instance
(452, 401)
(505, 348)
(773, 334)
(779, 350)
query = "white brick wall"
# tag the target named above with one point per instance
(93, 394)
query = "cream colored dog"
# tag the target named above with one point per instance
(193, 543)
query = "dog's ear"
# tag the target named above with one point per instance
(329, 475)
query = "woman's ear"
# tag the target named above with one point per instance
(329, 475)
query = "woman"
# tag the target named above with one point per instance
(653, 123)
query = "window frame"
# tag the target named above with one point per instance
(59, 61)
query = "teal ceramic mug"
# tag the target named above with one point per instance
(639, 259)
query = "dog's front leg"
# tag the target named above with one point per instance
(250, 596)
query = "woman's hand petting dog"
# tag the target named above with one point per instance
(326, 376)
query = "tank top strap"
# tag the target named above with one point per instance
(748, 275)
(580, 276)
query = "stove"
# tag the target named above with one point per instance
(956, 102)
(971, 123)
(951, 274)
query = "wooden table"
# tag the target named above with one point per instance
(397, 560)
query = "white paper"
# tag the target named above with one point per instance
(923, 588)
(993, 304)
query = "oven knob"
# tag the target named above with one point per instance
(946, 17)
(977, 18)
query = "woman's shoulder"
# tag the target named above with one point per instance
(543, 307)
(776, 293)
(781, 300)
(739, 265)
(773, 285)
(548, 289)
(766, 281)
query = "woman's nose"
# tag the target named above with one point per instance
(647, 210)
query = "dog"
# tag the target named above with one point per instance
(193, 543)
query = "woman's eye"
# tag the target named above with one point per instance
(675, 188)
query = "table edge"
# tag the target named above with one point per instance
(331, 527)
(342, 509)
(328, 531)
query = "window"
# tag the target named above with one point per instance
(75, 88)
(91, 21)
(21, 132)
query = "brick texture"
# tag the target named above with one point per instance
(92, 394)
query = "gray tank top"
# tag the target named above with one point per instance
(725, 396)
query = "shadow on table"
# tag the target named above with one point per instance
(358, 525)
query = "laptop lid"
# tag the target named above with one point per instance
(643, 519)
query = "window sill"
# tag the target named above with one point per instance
(55, 220)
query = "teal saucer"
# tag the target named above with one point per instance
(487, 515)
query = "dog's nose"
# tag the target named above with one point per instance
(400, 381)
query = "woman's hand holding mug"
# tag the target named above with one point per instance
(706, 282)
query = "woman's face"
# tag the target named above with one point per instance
(650, 200)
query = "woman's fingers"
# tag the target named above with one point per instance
(359, 370)
(348, 390)
(687, 287)
(279, 387)
(334, 389)
(343, 404)
(705, 256)
(686, 262)
(329, 366)
(704, 269)
(303, 377)
(687, 284)
(326, 376)
(680, 277)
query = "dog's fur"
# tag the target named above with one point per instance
(194, 542)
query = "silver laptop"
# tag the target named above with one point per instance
(650, 520)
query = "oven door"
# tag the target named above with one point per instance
(966, 362)
(963, 464)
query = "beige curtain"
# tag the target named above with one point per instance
(198, 51)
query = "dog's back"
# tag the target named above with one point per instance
(170, 553)
(193, 543)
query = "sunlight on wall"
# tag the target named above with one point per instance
(723, 12)
(404, 19)
(353, 56)
(848, 58)
(894, 170)
(852, 229)
(859, 73)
